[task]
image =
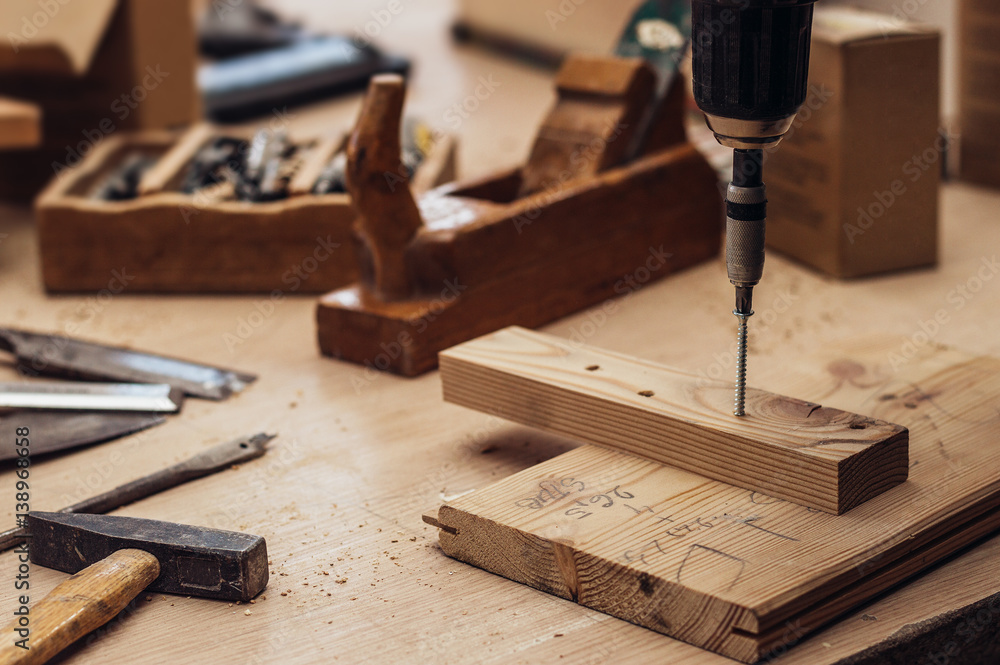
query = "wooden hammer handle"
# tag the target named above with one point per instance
(82, 603)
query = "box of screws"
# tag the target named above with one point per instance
(214, 210)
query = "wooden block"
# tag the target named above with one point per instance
(486, 259)
(20, 124)
(166, 241)
(601, 102)
(305, 178)
(738, 572)
(170, 167)
(819, 457)
(472, 257)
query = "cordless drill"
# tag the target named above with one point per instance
(750, 60)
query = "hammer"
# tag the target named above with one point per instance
(114, 559)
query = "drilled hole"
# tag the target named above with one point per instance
(593, 368)
(244, 445)
(646, 393)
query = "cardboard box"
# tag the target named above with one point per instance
(979, 95)
(93, 68)
(853, 188)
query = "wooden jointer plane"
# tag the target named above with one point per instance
(592, 215)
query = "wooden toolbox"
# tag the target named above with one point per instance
(166, 241)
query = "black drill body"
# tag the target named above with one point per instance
(750, 60)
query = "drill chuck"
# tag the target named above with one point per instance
(750, 64)
(746, 213)
(746, 221)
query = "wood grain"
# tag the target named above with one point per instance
(819, 457)
(478, 254)
(312, 167)
(571, 228)
(590, 128)
(730, 570)
(20, 124)
(81, 604)
(398, 447)
(388, 217)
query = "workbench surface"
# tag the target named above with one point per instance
(356, 576)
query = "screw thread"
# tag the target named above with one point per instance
(741, 367)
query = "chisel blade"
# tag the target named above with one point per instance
(57, 355)
(81, 396)
(51, 432)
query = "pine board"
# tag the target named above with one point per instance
(728, 569)
(820, 457)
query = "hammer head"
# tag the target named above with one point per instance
(194, 561)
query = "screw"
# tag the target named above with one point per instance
(741, 363)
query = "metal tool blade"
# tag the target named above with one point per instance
(215, 459)
(53, 432)
(80, 396)
(63, 356)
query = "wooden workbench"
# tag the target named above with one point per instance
(356, 576)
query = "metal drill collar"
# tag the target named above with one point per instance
(748, 134)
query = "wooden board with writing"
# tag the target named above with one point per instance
(732, 570)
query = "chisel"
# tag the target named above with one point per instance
(204, 464)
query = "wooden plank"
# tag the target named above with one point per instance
(819, 457)
(730, 570)
(590, 128)
(170, 167)
(20, 124)
(312, 166)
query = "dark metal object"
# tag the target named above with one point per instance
(750, 62)
(746, 223)
(260, 178)
(213, 163)
(54, 432)
(211, 461)
(195, 561)
(333, 178)
(310, 68)
(123, 183)
(62, 356)
(231, 29)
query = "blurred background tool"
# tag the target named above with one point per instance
(77, 73)
(750, 60)
(265, 63)
(658, 32)
(227, 30)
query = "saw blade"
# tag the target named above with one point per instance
(51, 432)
